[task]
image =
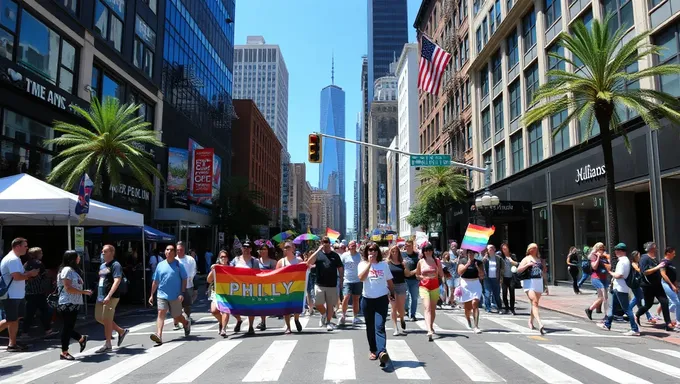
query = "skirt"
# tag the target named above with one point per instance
(400, 289)
(535, 285)
(472, 290)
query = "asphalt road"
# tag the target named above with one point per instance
(574, 351)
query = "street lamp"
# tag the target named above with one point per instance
(487, 200)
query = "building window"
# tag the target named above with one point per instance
(622, 14)
(486, 125)
(104, 86)
(8, 27)
(515, 100)
(467, 93)
(553, 62)
(529, 28)
(669, 40)
(465, 51)
(71, 5)
(492, 20)
(24, 149)
(535, 143)
(486, 158)
(484, 82)
(475, 7)
(531, 81)
(146, 110)
(485, 31)
(46, 53)
(587, 20)
(626, 113)
(513, 49)
(583, 125)
(108, 21)
(517, 148)
(553, 11)
(152, 4)
(469, 136)
(498, 119)
(497, 6)
(496, 68)
(561, 137)
(500, 161)
(145, 44)
(478, 34)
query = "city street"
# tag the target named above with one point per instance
(573, 351)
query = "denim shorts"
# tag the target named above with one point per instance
(600, 283)
(352, 288)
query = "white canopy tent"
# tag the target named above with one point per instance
(25, 201)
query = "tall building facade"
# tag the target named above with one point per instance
(387, 34)
(358, 175)
(260, 74)
(300, 195)
(392, 166)
(363, 157)
(321, 210)
(332, 122)
(407, 136)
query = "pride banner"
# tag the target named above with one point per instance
(251, 292)
(476, 237)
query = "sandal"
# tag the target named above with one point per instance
(83, 343)
(287, 332)
(66, 356)
(372, 356)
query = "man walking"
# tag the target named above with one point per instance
(189, 265)
(170, 279)
(621, 289)
(411, 259)
(14, 277)
(110, 277)
(493, 274)
(328, 268)
(651, 285)
(352, 286)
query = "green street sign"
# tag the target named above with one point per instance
(430, 160)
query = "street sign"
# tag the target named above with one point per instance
(430, 160)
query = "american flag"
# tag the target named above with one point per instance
(433, 61)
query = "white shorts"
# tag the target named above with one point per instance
(535, 285)
(472, 290)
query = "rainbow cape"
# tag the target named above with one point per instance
(251, 292)
(476, 237)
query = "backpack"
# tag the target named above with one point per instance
(586, 267)
(634, 279)
(124, 283)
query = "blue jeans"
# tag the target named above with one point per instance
(622, 299)
(412, 300)
(492, 287)
(375, 313)
(637, 300)
(584, 277)
(673, 301)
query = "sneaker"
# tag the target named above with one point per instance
(604, 326)
(329, 327)
(395, 333)
(187, 329)
(156, 339)
(356, 321)
(104, 349)
(589, 313)
(121, 337)
(413, 318)
(631, 333)
(342, 320)
(384, 358)
(477, 331)
(223, 333)
(177, 327)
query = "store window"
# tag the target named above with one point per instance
(535, 132)
(108, 21)
(23, 149)
(517, 148)
(145, 44)
(669, 41)
(71, 5)
(589, 221)
(41, 53)
(529, 28)
(500, 161)
(561, 137)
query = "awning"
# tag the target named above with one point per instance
(129, 233)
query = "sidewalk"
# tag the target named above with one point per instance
(562, 299)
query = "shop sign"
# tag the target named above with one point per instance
(130, 191)
(80, 239)
(587, 173)
(203, 172)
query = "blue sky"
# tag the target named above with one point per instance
(309, 32)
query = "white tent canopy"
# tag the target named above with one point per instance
(25, 200)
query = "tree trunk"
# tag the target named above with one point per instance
(604, 119)
(106, 199)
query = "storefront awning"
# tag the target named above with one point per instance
(129, 233)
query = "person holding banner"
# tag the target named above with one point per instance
(289, 258)
(471, 271)
(530, 271)
(428, 272)
(222, 318)
(246, 260)
(377, 292)
(265, 263)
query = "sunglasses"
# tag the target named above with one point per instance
(372, 250)
(326, 242)
(223, 257)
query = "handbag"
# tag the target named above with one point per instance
(53, 298)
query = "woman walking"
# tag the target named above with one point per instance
(265, 263)
(222, 318)
(289, 258)
(635, 286)
(428, 272)
(377, 292)
(399, 271)
(471, 273)
(508, 281)
(245, 261)
(599, 263)
(531, 270)
(70, 286)
(573, 261)
(450, 277)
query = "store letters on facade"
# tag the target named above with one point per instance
(203, 172)
(587, 173)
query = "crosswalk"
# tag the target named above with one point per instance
(336, 360)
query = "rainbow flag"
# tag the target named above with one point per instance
(476, 237)
(332, 234)
(251, 292)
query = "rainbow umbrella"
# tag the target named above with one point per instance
(305, 237)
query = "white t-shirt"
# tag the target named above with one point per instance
(492, 267)
(623, 268)
(10, 264)
(351, 265)
(189, 265)
(375, 284)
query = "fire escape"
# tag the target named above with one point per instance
(453, 123)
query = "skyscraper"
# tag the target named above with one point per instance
(387, 34)
(333, 123)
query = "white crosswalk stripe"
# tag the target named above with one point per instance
(406, 364)
(340, 360)
(199, 364)
(125, 367)
(669, 352)
(532, 364)
(595, 365)
(6, 362)
(469, 364)
(421, 324)
(271, 363)
(46, 370)
(644, 361)
(509, 325)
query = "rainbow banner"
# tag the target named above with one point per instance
(332, 234)
(251, 292)
(476, 237)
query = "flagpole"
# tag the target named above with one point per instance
(68, 227)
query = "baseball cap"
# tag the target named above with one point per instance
(620, 247)
(246, 244)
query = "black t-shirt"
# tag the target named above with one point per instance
(670, 270)
(646, 263)
(327, 265)
(398, 275)
(411, 261)
(471, 272)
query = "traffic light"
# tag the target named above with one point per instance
(314, 148)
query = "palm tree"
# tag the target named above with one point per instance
(110, 144)
(440, 187)
(597, 92)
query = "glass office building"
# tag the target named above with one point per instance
(333, 151)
